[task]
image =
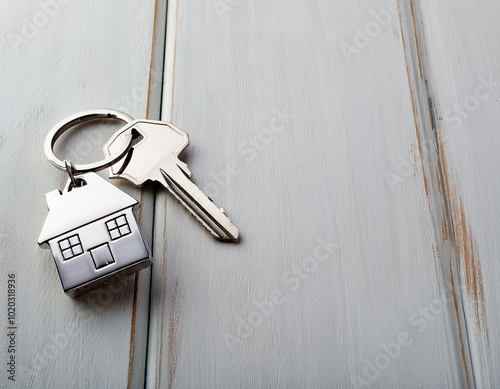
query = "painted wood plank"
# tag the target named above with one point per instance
(58, 58)
(461, 62)
(308, 132)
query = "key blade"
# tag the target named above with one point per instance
(196, 202)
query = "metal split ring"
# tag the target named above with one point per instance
(82, 117)
(70, 168)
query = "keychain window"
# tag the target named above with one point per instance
(118, 227)
(71, 247)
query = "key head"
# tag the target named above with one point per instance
(155, 142)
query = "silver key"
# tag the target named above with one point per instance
(154, 156)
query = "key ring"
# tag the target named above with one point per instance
(83, 117)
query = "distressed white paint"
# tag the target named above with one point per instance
(322, 178)
(81, 56)
(346, 168)
(461, 57)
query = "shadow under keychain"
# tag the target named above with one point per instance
(91, 228)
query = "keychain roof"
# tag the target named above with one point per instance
(65, 208)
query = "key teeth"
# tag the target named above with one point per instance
(202, 222)
(225, 214)
(194, 214)
(219, 229)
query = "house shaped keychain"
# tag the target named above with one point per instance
(91, 228)
(93, 234)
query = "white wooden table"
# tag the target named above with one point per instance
(355, 145)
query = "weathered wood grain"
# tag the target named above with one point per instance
(317, 151)
(353, 143)
(58, 58)
(461, 62)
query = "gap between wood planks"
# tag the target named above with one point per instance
(455, 240)
(153, 111)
